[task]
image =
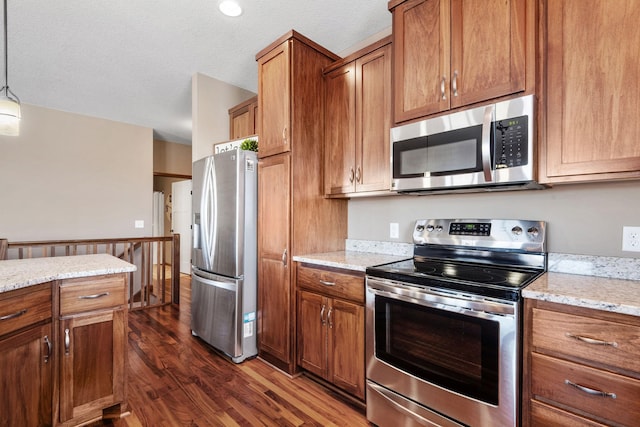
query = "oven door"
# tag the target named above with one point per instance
(455, 354)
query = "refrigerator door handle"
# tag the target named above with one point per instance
(208, 207)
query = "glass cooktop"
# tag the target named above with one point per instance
(483, 279)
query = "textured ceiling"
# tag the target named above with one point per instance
(132, 60)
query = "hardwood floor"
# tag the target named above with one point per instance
(177, 380)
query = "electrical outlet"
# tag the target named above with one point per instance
(138, 223)
(631, 239)
(394, 230)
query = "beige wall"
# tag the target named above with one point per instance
(582, 218)
(171, 158)
(211, 100)
(69, 176)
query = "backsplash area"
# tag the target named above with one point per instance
(587, 265)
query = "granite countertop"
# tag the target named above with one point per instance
(20, 273)
(600, 293)
(349, 260)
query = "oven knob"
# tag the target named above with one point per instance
(533, 231)
(438, 228)
(420, 228)
(517, 230)
(429, 228)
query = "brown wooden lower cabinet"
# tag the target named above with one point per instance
(63, 352)
(26, 378)
(330, 332)
(581, 366)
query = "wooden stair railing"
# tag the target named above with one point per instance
(156, 281)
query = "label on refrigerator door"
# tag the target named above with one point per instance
(248, 321)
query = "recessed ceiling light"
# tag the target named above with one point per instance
(230, 7)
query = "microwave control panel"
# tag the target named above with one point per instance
(511, 142)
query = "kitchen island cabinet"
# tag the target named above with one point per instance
(452, 53)
(591, 90)
(295, 217)
(26, 357)
(331, 326)
(93, 331)
(357, 122)
(64, 318)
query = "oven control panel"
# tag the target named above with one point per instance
(525, 235)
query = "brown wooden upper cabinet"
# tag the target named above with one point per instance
(592, 90)
(451, 53)
(274, 108)
(243, 119)
(357, 122)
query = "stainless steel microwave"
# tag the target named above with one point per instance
(491, 147)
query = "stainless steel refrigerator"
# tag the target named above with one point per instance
(224, 254)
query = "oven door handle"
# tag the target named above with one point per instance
(443, 301)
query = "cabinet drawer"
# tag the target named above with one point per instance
(331, 282)
(547, 416)
(610, 343)
(550, 379)
(24, 307)
(91, 293)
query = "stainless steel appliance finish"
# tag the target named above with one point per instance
(224, 254)
(490, 147)
(444, 328)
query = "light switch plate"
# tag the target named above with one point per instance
(394, 230)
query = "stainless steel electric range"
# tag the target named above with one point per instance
(444, 327)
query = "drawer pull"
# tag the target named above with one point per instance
(591, 340)
(94, 296)
(67, 342)
(48, 343)
(14, 315)
(327, 283)
(590, 391)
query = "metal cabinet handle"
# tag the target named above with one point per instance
(358, 174)
(14, 315)
(322, 315)
(591, 340)
(327, 283)
(284, 135)
(49, 349)
(67, 342)
(284, 258)
(351, 175)
(443, 83)
(94, 296)
(590, 391)
(454, 83)
(329, 317)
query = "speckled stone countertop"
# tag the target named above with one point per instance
(20, 273)
(349, 260)
(600, 293)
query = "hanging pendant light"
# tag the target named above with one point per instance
(9, 101)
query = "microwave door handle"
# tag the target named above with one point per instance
(486, 143)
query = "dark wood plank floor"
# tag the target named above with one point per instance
(177, 380)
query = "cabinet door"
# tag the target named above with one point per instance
(487, 49)
(25, 380)
(274, 83)
(92, 363)
(241, 125)
(274, 281)
(421, 40)
(340, 130)
(345, 323)
(592, 91)
(373, 120)
(312, 337)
